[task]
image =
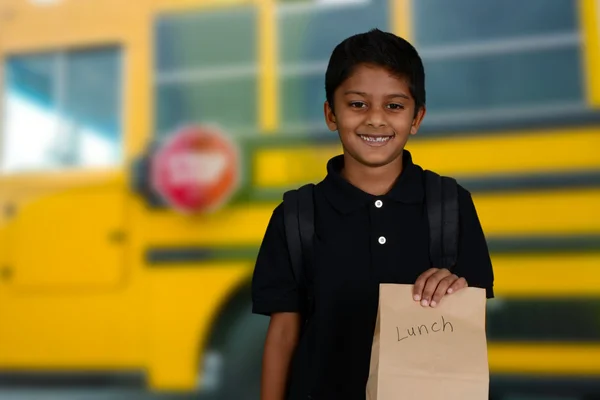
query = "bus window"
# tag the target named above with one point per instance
(490, 65)
(62, 110)
(305, 46)
(197, 81)
(465, 21)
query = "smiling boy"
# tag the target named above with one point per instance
(371, 227)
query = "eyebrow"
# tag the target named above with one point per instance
(402, 95)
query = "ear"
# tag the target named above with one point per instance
(417, 121)
(330, 118)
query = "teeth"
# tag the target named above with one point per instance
(375, 139)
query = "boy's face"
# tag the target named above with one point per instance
(374, 115)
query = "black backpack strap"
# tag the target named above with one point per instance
(292, 231)
(441, 198)
(299, 215)
(306, 219)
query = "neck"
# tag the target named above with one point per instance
(376, 181)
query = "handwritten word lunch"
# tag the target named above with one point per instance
(426, 329)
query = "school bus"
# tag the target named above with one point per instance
(99, 276)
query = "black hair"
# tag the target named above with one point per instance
(377, 48)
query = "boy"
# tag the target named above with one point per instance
(371, 227)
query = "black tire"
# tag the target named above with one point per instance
(242, 358)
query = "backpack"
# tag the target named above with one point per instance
(441, 200)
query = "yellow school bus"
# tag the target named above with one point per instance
(98, 275)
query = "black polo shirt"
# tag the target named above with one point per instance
(361, 241)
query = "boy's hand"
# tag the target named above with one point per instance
(434, 283)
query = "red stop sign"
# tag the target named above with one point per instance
(196, 169)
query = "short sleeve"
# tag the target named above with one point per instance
(274, 288)
(474, 263)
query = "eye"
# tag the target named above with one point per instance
(357, 104)
(395, 106)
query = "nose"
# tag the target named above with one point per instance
(376, 118)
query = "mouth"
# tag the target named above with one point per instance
(376, 140)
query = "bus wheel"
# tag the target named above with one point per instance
(242, 358)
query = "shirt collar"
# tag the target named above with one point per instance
(346, 197)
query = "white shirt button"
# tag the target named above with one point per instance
(378, 203)
(382, 239)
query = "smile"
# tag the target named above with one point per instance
(376, 140)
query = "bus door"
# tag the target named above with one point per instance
(61, 141)
(63, 202)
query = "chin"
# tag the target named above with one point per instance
(376, 159)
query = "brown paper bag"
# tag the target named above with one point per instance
(429, 353)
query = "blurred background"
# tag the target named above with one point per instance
(119, 282)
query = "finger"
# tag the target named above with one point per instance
(457, 285)
(420, 283)
(432, 284)
(442, 288)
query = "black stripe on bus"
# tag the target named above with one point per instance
(198, 254)
(73, 379)
(534, 387)
(544, 320)
(160, 255)
(545, 244)
(532, 182)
